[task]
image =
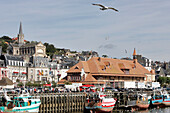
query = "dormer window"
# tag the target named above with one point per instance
(126, 71)
(76, 67)
(99, 59)
(107, 64)
(103, 67)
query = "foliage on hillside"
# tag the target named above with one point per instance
(164, 81)
(4, 40)
(50, 49)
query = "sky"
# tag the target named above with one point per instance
(80, 26)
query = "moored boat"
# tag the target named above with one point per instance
(102, 105)
(23, 103)
(157, 100)
(106, 105)
(166, 99)
(142, 101)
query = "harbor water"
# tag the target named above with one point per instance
(156, 110)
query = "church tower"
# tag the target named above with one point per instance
(134, 58)
(20, 36)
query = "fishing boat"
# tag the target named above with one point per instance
(21, 103)
(103, 105)
(142, 102)
(106, 105)
(166, 98)
(156, 98)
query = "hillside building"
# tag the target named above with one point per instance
(20, 47)
(100, 71)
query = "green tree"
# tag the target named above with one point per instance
(67, 83)
(29, 84)
(18, 80)
(54, 84)
(4, 46)
(168, 80)
(34, 42)
(48, 82)
(50, 49)
(6, 39)
(162, 80)
(20, 84)
(105, 56)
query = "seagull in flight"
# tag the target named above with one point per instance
(105, 8)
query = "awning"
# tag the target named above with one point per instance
(47, 85)
(24, 73)
(15, 72)
(88, 86)
(59, 75)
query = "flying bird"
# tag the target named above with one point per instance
(105, 8)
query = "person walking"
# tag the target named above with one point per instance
(35, 90)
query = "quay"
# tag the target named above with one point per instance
(75, 101)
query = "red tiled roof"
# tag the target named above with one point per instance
(90, 78)
(16, 38)
(95, 66)
(125, 75)
(109, 67)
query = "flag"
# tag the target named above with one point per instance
(39, 72)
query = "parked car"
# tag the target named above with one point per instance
(60, 89)
(39, 90)
(122, 89)
(10, 91)
(168, 89)
(110, 89)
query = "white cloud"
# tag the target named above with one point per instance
(78, 25)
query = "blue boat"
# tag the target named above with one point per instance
(156, 100)
(163, 98)
(166, 99)
(21, 103)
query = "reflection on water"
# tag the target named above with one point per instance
(155, 110)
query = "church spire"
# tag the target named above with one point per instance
(20, 28)
(20, 36)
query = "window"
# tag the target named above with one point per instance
(9, 62)
(126, 71)
(76, 67)
(31, 71)
(37, 72)
(38, 78)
